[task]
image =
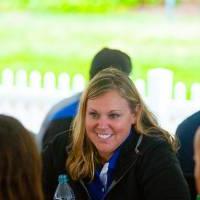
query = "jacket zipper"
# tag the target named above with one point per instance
(84, 187)
(114, 183)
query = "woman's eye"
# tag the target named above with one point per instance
(114, 115)
(93, 115)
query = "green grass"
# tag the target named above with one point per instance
(67, 43)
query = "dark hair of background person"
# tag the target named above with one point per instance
(20, 165)
(110, 57)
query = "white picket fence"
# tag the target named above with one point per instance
(29, 98)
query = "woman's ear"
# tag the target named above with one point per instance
(137, 109)
(136, 113)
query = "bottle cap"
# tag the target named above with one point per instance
(63, 178)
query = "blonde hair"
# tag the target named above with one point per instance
(20, 165)
(83, 156)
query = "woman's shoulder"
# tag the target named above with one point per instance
(153, 141)
(157, 150)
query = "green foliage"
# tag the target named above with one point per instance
(73, 5)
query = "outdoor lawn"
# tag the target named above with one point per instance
(67, 42)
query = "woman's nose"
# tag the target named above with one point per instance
(102, 123)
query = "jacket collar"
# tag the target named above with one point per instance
(128, 154)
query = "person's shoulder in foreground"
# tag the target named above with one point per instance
(20, 165)
(186, 133)
(190, 124)
(197, 161)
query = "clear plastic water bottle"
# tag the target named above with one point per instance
(64, 190)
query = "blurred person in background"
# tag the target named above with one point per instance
(186, 133)
(197, 161)
(59, 118)
(116, 150)
(20, 165)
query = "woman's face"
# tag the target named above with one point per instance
(108, 122)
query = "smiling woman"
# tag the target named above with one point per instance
(116, 147)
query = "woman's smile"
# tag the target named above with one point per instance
(104, 136)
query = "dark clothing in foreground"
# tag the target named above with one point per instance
(185, 132)
(147, 169)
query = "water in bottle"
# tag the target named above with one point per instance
(64, 190)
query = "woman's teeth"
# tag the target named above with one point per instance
(104, 136)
